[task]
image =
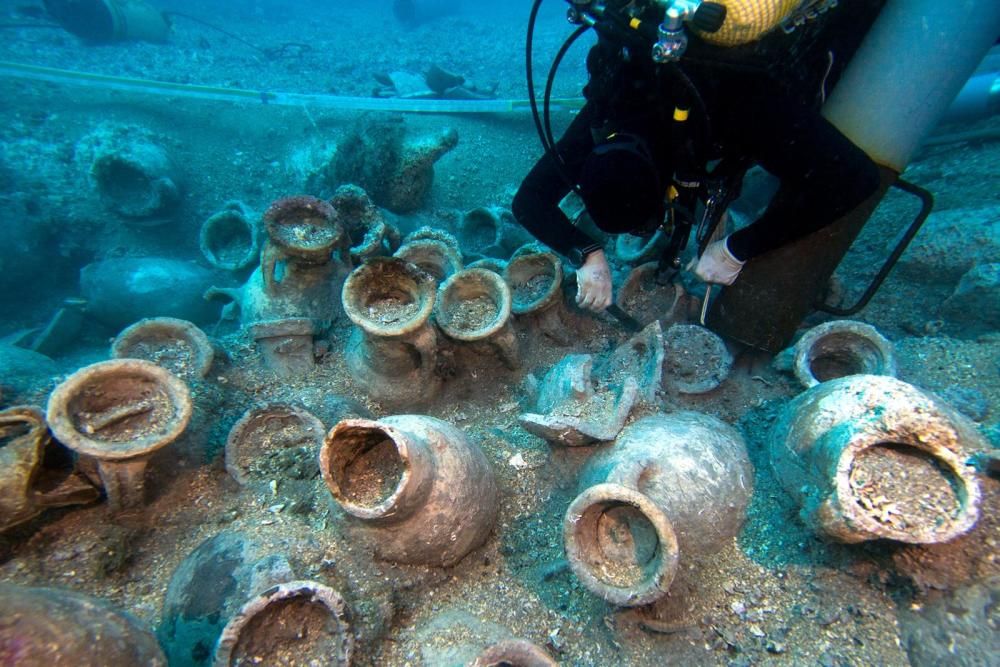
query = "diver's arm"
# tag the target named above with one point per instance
(536, 204)
(823, 177)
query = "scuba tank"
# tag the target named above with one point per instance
(909, 67)
(749, 20)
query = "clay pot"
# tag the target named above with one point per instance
(671, 486)
(473, 306)
(696, 360)
(393, 350)
(490, 231)
(869, 457)
(176, 345)
(408, 180)
(535, 280)
(124, 290)
(490, 264)
(396, 170)
(50, 626)
(416, 486)
(514, 653)
(635, 249)
(292, 296)
(839, 348)
(271, 436)
(209, 587)
(29, 483)
(286, 345)
(229, 239)
(305, 228)
(642, 297)
(298, 622)
(434, 251)
(370, 233)
(119, 413)
(136, 180)
(302, 264)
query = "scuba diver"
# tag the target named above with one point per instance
(658, 115)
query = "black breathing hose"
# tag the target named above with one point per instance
(544, 128)
(550, 82)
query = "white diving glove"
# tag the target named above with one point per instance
(717, 265)
(593, 283)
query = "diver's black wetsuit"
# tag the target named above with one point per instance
(740, 111)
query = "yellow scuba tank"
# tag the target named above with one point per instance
(748, 20)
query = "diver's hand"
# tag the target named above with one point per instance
(593, 282)
(717, 265)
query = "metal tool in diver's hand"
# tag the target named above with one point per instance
(628, 322)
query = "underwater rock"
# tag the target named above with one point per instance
(957, 628)
(974, 307)
(835, 349)
(416, 486)
(396, 170)
(208, 588)
(297, 622)
(229, 239)
(571, 412)
(670, 487)
(176, 345)
(392, 351)
(51, 626)
(124, 290)
(30, 480)
(119, 413)
(136, 179)
(23, 372)
(473, 306)
(950, 243)
(371, 234)
(869, 457)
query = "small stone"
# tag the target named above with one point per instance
(776, 647)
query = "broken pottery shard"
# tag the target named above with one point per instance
(640, 358)
(569, 380)
(598, 418)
